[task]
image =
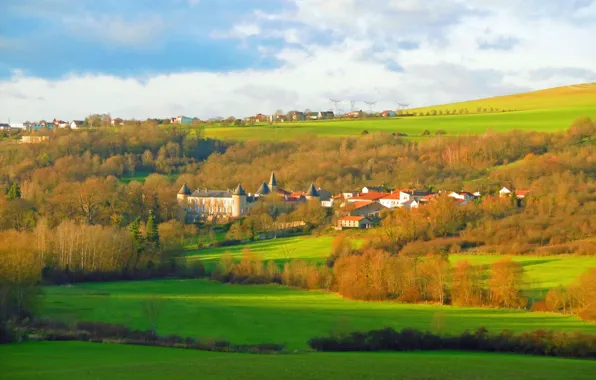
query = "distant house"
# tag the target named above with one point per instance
(313, 115)
(408, 205)
(521, 194)
(181, 120)
(354, 114)
(367, 189)
(368, 209)
(360, 222)
(296, 116)
(60, 123)
(117, 121)
(4, 126)
(371, 196)
(413, 195)
(388, 113)
(75, 124)
(349, 194)
(261, 118)
(326, 115)
(464, 195)
(391, 201)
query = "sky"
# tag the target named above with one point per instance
(67, 59)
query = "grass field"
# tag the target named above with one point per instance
(545, 120)
(271, 313)
(579, 95)
(542, 272)
(78, 360)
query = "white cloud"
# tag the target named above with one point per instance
(346, 48)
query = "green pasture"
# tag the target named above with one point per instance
(271, 313)
(79, 360)
(544, 120)
(579, 95)
(542, 272)
(314, 249)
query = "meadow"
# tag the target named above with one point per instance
(272, 313)
(542, 272)
(541, 120)
(78, 360)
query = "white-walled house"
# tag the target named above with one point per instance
(391, 200)
(76, 124)
(464, 195)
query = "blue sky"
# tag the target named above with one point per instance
(157, 58)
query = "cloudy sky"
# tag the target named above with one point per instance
(205, 58)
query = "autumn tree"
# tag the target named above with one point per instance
(507, 284)
(14, 192)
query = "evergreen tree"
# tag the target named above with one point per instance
(514, 202)
(137, 237)
(14, 192)
(152, 233)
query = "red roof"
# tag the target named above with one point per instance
(352, 218)
(392, 196)
(371, 196)
(522, 192)
(428, 197)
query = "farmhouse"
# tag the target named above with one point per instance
(388, 113)
(353, 222)
(78, 124)
(181, 120)
(520, 194)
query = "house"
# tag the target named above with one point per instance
(466, 196)
(261, 118)
(349, 194)
(416, 195)
(117, 121)
(354, 114)
(408, 205)
(370, 210)
(313, 115)
(392, 200)
(296, 116)
(360, 222)
(181, 120)
(78, 124)
(521, 194)
(325, 115)
(388, 113)
(4, 126)
(60, 123)
(367, 189)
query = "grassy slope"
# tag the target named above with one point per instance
(546, 120)
(77, 360)
(543, 272)
(579, 95)
(258, 314)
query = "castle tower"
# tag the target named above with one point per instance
(238, 202)
(273, 183)
(183, 193)
(312, 193)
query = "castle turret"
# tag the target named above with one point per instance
(238, 202)
(312, 193)
(183, 193)
(273, 183)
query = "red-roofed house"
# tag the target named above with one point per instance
(368, 209)
(505, 192)
(353, 222)
(391, 201)
(371, 196)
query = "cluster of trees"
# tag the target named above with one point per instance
(578, 298)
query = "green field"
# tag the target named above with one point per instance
(579, 95)
(271, 313)
(544, 120)
(78, 360)
(542, 272)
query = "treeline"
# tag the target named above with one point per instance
(75, 175)
(538, 342)
(376, 275)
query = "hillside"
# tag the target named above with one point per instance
(579, 95)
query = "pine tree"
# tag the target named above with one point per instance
(137, 237)
(14, 192)
(152, 233)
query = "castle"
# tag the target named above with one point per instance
(235, 203)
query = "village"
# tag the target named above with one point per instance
(359, 209)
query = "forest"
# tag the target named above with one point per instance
(68, 211)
